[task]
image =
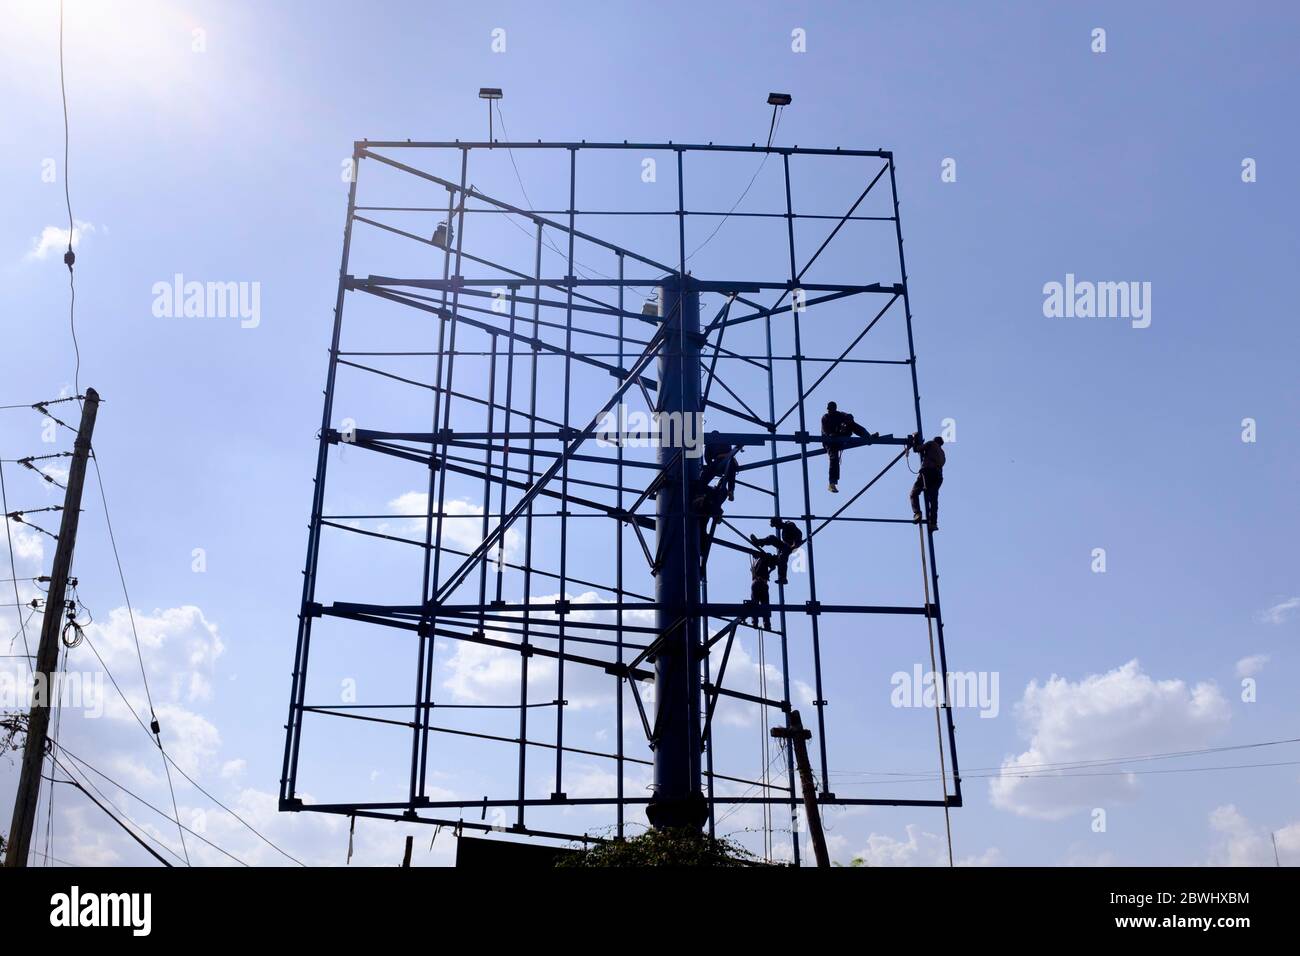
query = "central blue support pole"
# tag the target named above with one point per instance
(678, 800)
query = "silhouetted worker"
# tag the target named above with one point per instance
(786, 540)
(720, 461)
(760, 569)
(707, 504)
(839, 425)
(928, 479)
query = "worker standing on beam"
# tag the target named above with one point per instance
(928, 479)
(837, 426)
(787, 539)
(760, 570)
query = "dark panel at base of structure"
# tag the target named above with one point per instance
(477, 853)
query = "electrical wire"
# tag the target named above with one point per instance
(194, 783)
(586, 271)
(111, 815)
(765, 742)
(86, 765)
(69, 257)
(736, 204)
(22, 624)
(938, 724)
(153, 716)
(780, 752)
(1053, 767)
(13, 570)
(54, 858)
(56, 701)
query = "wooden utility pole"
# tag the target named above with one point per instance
(798, 738)
(47, 655)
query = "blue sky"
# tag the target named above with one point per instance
(1072, 434)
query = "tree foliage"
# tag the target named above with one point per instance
(683, 847)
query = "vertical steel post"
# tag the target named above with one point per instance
(946, 705)
(820, 701)
(678, 800)
(619, 528)
(293, 724)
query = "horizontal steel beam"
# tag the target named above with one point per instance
(826, 801)
(705, 285)
(363, 144)
(710, 609)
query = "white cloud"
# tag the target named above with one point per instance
(1252, 665)
(461, 533)
(479, 673)
(1239, 843)
(1121, 713)
(90, 844)
(55, 239)
(180, 648)
(29, 545)
(58, 473)
(1281, 612)
(1080, 855)
(743, 674)
(919, 848)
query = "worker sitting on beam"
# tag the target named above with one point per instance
(837, 426)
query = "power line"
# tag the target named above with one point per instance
(1056, 775)
(13, 570)
(153, 716)
(1079, 764)
(22, 625)
(776, 125)
(46, 856)
(763, 775)
(117, 687)
(40, 405)
(69, 257)
(86, 765)
(153, 838)
(938, 724)
(585, 271)
(112, 816)
(61, 657)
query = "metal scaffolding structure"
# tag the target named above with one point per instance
(520, 371)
